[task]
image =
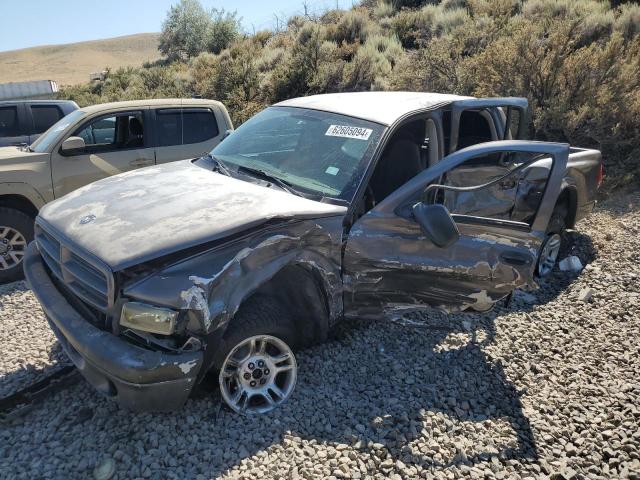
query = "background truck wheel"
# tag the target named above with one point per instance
(16, 231)
(553, 242)
(257, 367)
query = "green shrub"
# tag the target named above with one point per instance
(383, 9)
(270, 58)
(446, 21)
(577, 61)
(390, 47)
(372, 64)
(628, 21)
(454, 4)
(414, 26)
(224, 28)
(184, 30)
(354, 26)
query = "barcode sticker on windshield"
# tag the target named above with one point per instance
(348, 132)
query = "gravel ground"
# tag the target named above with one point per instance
(547, 387)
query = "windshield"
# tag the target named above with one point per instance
(48, 138)
(318, 152)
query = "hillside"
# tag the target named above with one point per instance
(72, 63)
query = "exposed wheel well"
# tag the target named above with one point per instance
(300, 292)
(18, 202)
(569, 198)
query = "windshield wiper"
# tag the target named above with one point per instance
(283, 184)
(218, 165)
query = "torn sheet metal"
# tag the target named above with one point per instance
(314, 245)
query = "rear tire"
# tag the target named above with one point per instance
(548, 256)
(16, 231)
(257, 367)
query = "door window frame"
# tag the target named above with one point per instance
(32, 122)
(109, 149)
(18, 123)
(490, 104)
(385, 139)
(414, 188)
(189, 109)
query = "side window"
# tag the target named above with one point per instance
(515, 197)
(169, 127)
(474, 128)
(120, 131)
(185, 126)
(199, 125)
(513, 118)
(9, 122)
(406, 155)
(44, 116)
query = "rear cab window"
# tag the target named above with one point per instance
(185, 126)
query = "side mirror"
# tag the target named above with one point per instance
(227, 133)
(436, 223)
(72, 144)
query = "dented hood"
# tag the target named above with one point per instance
(140, 215)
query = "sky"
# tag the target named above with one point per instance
(29, 23)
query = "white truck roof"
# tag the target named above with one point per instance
(379, 107)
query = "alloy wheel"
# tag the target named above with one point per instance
(12, 247)
(549, 254)
(258, 375)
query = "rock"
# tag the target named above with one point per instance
(105, 470)
(585, 295)
(570, 264)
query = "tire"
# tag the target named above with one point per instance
(552, 244)
(260, 322)
(558, 220)
(16, 231)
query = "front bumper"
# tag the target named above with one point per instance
(138, 379)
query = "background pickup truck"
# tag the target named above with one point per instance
(316, 209)
(93, 143)
(21, 122)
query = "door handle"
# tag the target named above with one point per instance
(516, 258)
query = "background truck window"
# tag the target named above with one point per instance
(185, 126)
(120, 131)
(44, 116)
(9, 122)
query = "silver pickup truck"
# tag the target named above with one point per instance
(316, 209)
(92, 143)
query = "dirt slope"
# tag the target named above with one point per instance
(73, 62)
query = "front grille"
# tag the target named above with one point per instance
(84, 276)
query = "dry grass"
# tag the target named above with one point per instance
(72, 63)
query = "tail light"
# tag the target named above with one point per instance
(600, 176)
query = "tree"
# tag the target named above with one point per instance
(224, 28)
(184, 31)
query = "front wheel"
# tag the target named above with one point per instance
(259, 369)
(16, 231)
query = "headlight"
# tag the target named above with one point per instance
(148, 318)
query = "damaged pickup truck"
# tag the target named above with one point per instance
(316, 209)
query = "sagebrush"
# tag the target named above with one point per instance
(577, 61)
